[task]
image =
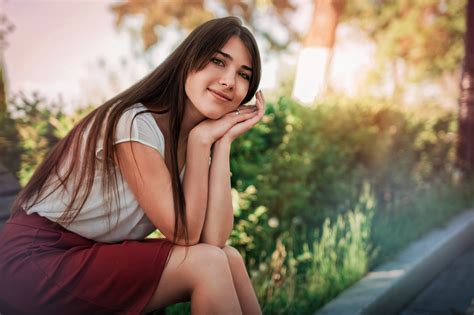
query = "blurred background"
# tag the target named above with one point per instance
(367, 141)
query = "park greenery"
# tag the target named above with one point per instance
(322, 193)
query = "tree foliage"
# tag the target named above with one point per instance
(426, 34)
(187, 15)
(6, 27)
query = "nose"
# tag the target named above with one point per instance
(227, 80)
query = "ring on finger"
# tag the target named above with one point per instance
(237, 112)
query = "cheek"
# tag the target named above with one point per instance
(192, 87)
(188, 86)
(242, 93)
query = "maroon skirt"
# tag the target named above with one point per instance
(46, 269)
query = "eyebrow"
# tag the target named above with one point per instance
(230, 58)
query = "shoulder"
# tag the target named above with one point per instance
(140, 120)
(138, 125)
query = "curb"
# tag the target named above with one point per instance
(388, 288)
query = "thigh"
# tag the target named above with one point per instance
(234, 257)
(182, 274)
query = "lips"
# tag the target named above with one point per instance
(219, 95)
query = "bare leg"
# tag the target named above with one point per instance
(247, 297)
(204, 277)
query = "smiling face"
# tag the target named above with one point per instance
(223, 83)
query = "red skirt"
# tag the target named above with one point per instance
(46, 269)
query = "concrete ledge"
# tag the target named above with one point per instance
(389, 287)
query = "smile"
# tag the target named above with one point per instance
(219, 96)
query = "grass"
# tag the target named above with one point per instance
(295, 281)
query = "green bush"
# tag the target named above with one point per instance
(312, 162)
(37, 127)
(10, 147)
(320, 193)
(293, 281)
(303, 166)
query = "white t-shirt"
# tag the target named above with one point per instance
(92, 221)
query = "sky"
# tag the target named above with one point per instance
(70, 50)
(57, 45)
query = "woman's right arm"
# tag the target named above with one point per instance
(148, 177)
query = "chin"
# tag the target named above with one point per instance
(215, 115)
(211, 114)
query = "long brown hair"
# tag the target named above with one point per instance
(160, 91)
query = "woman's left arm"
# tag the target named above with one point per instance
(219, 219)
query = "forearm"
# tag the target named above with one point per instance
(195, 185)
(220, 214)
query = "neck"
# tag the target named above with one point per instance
(192, 117)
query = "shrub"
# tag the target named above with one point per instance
(320, 193)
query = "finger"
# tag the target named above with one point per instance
(242, 116)
(230, 120)
(243, 126)
(246, 106)
(260, 101)
(240, 112)
(259, 110)
(259, 106)
(252, 119)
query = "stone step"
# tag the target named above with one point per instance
(9, 187)
(8, 183)
(388, 288)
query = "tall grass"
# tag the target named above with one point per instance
(321, 194)
(291, 281)
(299, 278)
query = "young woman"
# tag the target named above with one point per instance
(156, 156)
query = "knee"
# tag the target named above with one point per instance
(233, 255)
(210, 255)
(210, 262)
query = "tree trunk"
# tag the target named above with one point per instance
(465, 149)
(315, 58)
(3, 94)
(6, 27)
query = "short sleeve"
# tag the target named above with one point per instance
(141, 128)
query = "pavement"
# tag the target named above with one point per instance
(434, 275)
(450, 292)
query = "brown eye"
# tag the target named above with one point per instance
(245, 76)
(217, 61)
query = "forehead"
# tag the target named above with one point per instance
(238, 51)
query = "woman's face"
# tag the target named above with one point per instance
(223, 83)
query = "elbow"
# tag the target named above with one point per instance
(193, 237)
(214, 242)
(182, 241)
